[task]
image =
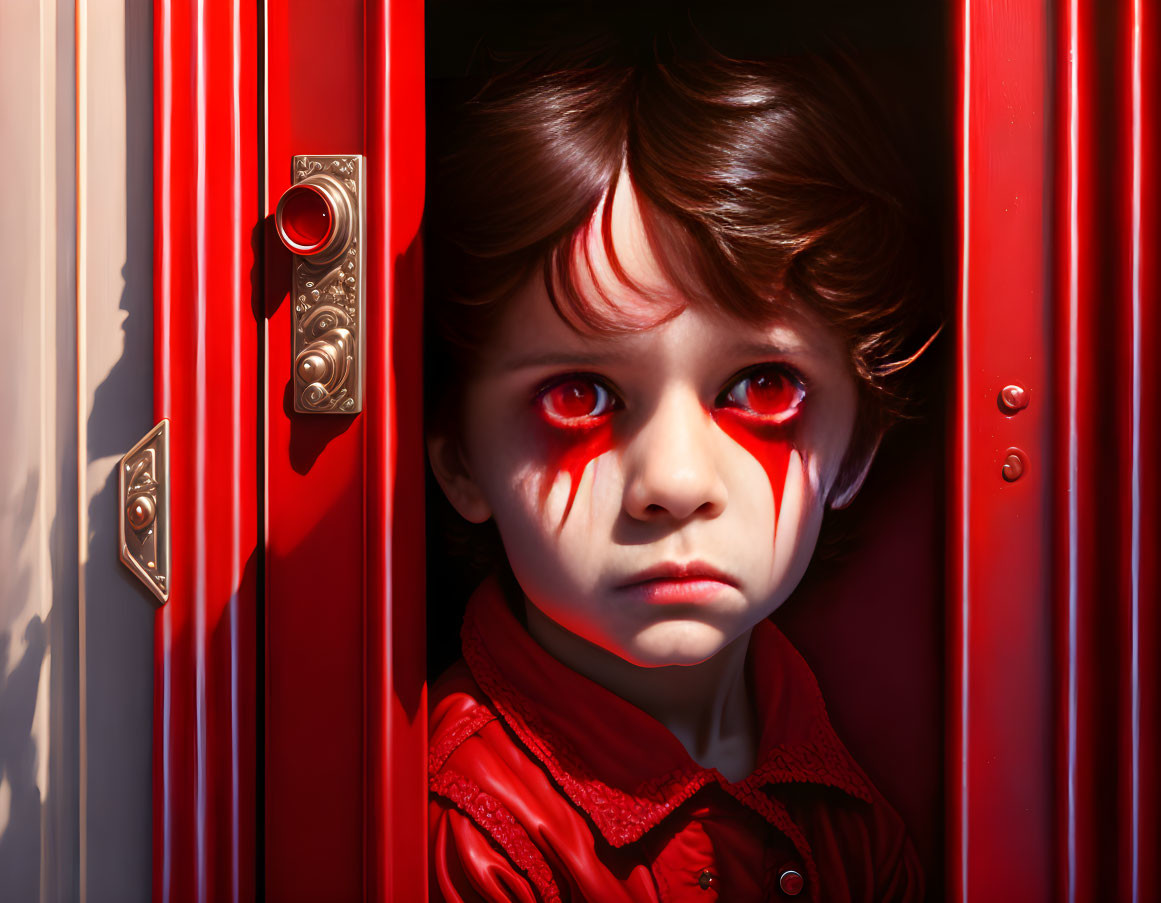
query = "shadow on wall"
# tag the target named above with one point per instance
(120, 611)
(20, 803)
(20, 840)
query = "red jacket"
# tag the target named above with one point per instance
(546, 786)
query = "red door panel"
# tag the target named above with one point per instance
(314, 767)
(345, 703)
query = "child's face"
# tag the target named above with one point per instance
(658, 492)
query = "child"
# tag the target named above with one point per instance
(671, 305)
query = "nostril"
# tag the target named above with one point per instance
(680, 508)
(672, 471)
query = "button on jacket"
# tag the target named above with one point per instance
(546, 786)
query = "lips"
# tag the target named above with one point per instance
(672, 582)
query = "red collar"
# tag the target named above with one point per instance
(621, 766)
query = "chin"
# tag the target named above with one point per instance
(676, 644)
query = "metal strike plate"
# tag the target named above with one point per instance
(144, 495)
(328, 293)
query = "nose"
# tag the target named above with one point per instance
(671, 470)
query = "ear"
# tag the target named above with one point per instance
(451, 471)
(848, 493)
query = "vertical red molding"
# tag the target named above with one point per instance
(1102, 276)
(1076, 511)
(1145, 730)
(1145, 733)
(205, 211)
(396, 836)
(1138, 331)
(1000, 689)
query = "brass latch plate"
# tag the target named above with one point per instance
(328, 291)
(144, 493)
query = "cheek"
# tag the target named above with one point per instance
(569, 451)
(769, 447)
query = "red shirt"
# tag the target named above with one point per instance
(546, 786)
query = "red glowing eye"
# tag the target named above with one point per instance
(576, 400)
(773, 395)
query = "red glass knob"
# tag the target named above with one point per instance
(314, 218)
(307, 219)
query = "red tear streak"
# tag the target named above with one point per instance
(569, 450)
(770, 446)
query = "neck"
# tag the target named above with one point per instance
(707, 706)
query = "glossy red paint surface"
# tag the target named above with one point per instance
(396, 712)
(206, 352)
(1085, 532)
(1108, 592)
(1136, 325)
(1139, 808)
(1000, 657)
(316, 794)
(1081, 439)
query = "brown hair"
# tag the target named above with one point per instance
(762, 184)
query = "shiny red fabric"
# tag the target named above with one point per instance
(546, 786)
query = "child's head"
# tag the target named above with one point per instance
(672, 303)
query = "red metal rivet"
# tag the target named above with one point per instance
(1013, 398)
(791, 882)
(1015, 463)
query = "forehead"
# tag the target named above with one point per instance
(534, 334)
(632, 290)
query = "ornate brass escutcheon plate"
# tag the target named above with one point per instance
(320, 218)
(144, 523)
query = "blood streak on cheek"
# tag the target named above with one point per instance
(569, 449)
(769, 445)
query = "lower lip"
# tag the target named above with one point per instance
(669, 592)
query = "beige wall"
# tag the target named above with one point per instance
(75, 630)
